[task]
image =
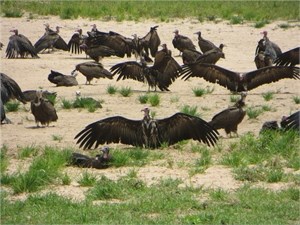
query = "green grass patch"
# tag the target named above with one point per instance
(82, 102)
(66, 104)
(296, 99)
(12, 106)
(268, 95)
(190, 110)
(253, 112)
(234, 98)
(57, 137)
(261, 23)
(125, 91)
(87, 179)
(3, 160)
(198, 92)
(154, 99)
(27, 151)
(143, 99)
(111, 89)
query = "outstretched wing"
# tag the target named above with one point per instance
(61, 44)
(74, 43)
(151, 41)
(111, 130)
(288, 58)
(270, 74)
(181, 126)
(10, 89)
(291, 122)
(211, 73)
(128, 70)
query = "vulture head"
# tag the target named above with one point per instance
(146, 111)
(105, 151)
(176, 32)
(14, 31)
(265, 33)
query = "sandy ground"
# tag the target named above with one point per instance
(241, 41)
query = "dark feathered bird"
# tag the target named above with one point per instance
(1, 45)
(291, 122)
(97, 52)
(9, 90)
(19, 46)
(51, 40)
(102, 161)
(161, 74)
(75, 41)
(190, 56)
(92, 70)
(62, 80)
(230, 118)
(212, 56)
(148, 132)
(238, 82)
(268, 47)
(204, 45)
(182, 42)
(288, 58)
(150, 41)
(262, 60)
(30, 95)
(43, 110)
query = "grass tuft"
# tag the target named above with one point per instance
(296, 99)
(154, 99)
(87, 179)
(111, 89)
(12, 106)
(190, 110)
(198, 92)
(143, 99)
(125, 91)
(268, 95)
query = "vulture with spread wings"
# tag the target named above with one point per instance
(238, 82)
(288, 58)
(148, 132)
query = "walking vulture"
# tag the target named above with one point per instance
(92, 70)
(238, 82)
(99, 162)
(148, 132)
(288, 58)
(230, 118)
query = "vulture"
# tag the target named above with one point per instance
(19, 46)
(182, 42)
(204, 45)
(76, 40)
(30, 95)
(62, 80)
(9, 90)
(161, 74)
(148, 132)
(92, 70)
(230, 118)
(288, 58)
(97, 52)
(43, 110)
(50, 40)
(190, 56)
(268, 47)
(262, 60)
(212, 56)
(1, 45)
(238, 82)
(99, 162)
(138, 49)
(291, 122)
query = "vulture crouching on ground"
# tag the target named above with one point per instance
(148, 132)
(238, 82)
(62, 80)
(43, 110)
(99, 162)
(230, 118)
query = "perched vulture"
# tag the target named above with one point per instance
(30, 95)
(50, 40)
(98, 162)
(204, 45)
(262, 60)
(190, 56)
(230, 118)
(148, 132)
(9, 90)
(150, 41)
(19, 45)
(161, 74)
(62, 80)
(182, 42)
(76, 40)
(268, 47)
(92, 70)
(288, 58)
(212, 56)
(43, 110)
(238, 82)
(291, 122)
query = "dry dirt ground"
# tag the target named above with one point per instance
(241, 41)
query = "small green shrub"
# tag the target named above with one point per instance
(111, 89)
(296, 99)
(236, 19)
(253, 113)
(66, 104)
(57, 138)
(125, 91)
(87, 103)
(154, 99)
(143, 99)
(261, 23)
(268, 95)
(190, 110)
(87, 179)
(65, 179)
(202, 91)
(12, 106)
(27, 152)
(234, 98)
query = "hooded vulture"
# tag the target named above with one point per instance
(204, 45)
(19, 45)
(62, 80)
(288, 58)
(76, 40)
(230, 118)
(99, 162)
(150, 41)
(238, 82)
(9, 90)
(212, 56)
(182, 42)
(148, 132)
(43, 110)
(92, 70)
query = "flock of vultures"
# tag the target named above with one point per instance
(159, 70)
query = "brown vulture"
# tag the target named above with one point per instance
(230, 118)
(204, 45)
(291, 122)
(262, 60)
(238, 82)
(75, 41)
(43, 110)
(99, 162)
(148, 132)
(288, 58)
(30, 95)
(62, 80)
(150, 41)
(268, 47)
(190, 56)
(212, 56)
(19, 45)
(92, 70)
(9, 90)
(50, 40)
(182, 42)
(161, 74)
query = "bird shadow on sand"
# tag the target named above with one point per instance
(40, 127)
